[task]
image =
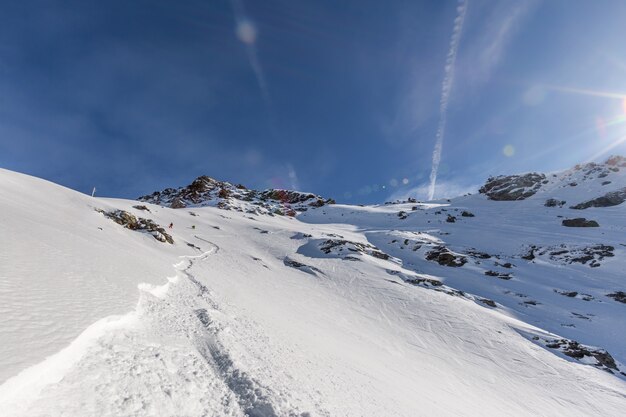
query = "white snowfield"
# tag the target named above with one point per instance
(261, 316)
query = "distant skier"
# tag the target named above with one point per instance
(171, 225)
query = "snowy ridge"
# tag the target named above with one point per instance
(206, 191)
(396, 310)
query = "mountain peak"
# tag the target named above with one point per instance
(207, 191)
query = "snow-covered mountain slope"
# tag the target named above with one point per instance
(340, 311)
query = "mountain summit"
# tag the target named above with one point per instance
(205, 191)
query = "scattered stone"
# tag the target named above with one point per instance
(451, 219)
(141, 207)
(586, 255)
(465, 213)
(502, 275)
(402, 215)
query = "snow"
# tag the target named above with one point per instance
(112, 322)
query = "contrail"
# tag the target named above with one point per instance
(446, 87)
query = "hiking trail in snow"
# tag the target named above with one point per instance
(163, 357)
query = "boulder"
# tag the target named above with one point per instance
(579, 222)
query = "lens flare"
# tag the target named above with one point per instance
(508, 150)
(246, 32)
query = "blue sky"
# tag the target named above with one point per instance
(343, 99)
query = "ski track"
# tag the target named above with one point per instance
(121, 371)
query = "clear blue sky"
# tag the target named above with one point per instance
(341, 98)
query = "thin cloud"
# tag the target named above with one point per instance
(490, 40)
(446, 88)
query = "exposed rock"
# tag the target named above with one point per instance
(140, 224)
(450, 219)
(609, 199)
(443, 256)
(344, 247)
(488, 302)
(302, 267)
(618, 296)
(530, 255)
(206, 191)
(477, 254)
(580, 222)
(502, 275)
(466, 213)
(616, 161)
(141, 207)
(569, 254)
(551, 202)
(597, 357)
(512, 187)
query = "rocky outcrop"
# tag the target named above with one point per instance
(597, 357)
(346, 247)
(512, 187)
(502, 275)
(206, 191)
(445, 257)
(552, 202)
(579, 222)
(129, 221)
(607, 200)
(618, 296)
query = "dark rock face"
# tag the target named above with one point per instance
(609, 199)
(502, 275)
(573, 349)
(618, 296)
(443, 256)
(302, 267)
(477, 254)
(551, 202)
(580, 222)
(345, 247)
(131, 222)
(566, 254)
(204, 191)
(488, 302)
(512, 187)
